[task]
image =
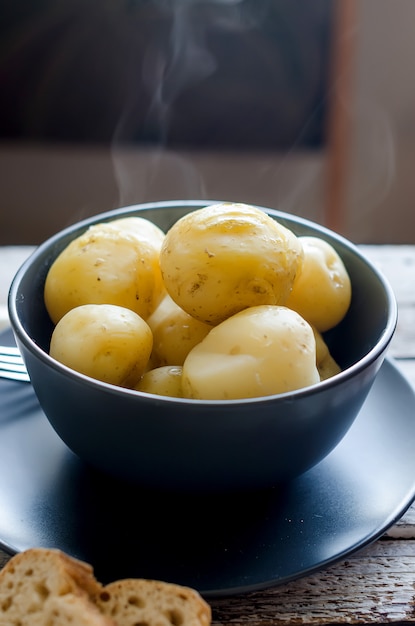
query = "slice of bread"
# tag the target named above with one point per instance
(153, 603)
(35, 583)
(45, 587)
(71, 610)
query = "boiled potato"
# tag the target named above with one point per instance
(259, 351)
(162, 381)
(105, 265)
(104, 341)
(322, 291)
(141, 228)
(175, 333)
(223, 258)
(327, 366)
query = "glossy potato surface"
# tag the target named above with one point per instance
(327, 366)
(162, 381)
(222, 258)
(104, 341)
(175, 333)
(224, 284)
(259, 351)
(105, 265)
(140, 227)
(322, 291)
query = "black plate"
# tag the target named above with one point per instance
(220, 545)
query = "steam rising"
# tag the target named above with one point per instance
(182, 58)
(167, 70)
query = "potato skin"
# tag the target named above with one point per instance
(259, 351)
(175, 333)
(105, 265)
(162, 381)
(327, 366)
(103, 341)
(193, 313)
(322, 292)
(140, 227)
(223, 258)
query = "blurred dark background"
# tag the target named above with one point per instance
(241, 75)
(302, 105)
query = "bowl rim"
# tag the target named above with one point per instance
(23, 338)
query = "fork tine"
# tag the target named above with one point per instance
(11, 364)
(10, 358)
(19, 376)
(10, 350)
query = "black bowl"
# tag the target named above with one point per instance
(182, 444)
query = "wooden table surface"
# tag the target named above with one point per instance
(373, 586)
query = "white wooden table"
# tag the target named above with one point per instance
(375, 585)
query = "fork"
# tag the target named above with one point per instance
(11, 364)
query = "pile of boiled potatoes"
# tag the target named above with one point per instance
(228, 304)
